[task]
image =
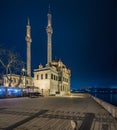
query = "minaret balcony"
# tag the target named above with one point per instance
(28, 39)
(49, 30)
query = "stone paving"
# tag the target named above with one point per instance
(54, 113)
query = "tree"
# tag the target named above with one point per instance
(10, 63)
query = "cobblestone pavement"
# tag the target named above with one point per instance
(54, 113)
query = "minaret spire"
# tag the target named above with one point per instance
(49, 10)
(28, 21)
(28, 41)
(49, 31)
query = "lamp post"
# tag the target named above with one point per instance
(24, 76)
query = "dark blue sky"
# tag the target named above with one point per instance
(84, 36)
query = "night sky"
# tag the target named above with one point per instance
(84, 36)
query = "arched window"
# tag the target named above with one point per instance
(54, 77)
(51, 76)
(37, 76)
(46, 76)
(41, 76)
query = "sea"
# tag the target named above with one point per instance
(108, 97)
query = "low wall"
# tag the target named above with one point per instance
(83, 95)
(110, 108)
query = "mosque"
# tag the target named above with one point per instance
(51, 79)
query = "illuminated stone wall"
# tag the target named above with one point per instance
(46, 80)
(53, 80)
(24, 82)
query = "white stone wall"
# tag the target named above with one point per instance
(65, 87)
(25, 81)
(53, 87)
(50, 85)
(41, 82)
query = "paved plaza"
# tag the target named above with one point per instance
(54, 113)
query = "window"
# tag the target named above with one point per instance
(54, 77)
(59, 78)
(67, 80)
(26, 81)
(37, 76)
(46, 76)
(51, 76)
(41, 76)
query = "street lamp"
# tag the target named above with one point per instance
(24, 76)
(24, 71)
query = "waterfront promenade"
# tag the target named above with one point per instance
(54, 113)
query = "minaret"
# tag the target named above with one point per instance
(49, 31)
(28, 40)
